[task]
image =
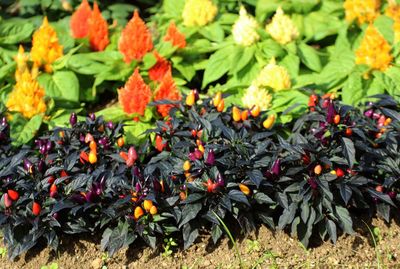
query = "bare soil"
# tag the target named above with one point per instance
(265, 249)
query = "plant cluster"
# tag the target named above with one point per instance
(200, 168)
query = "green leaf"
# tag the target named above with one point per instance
(384, 25)
(352, 91)
(15, 31)
(304, 6)
(271, 48)
(134, 131)
(377, 86)
(62, 85)
(292, 63)
(149, 60)
(173, 8)
(245, 57)
(218, 65)
(114, 113)
(309, 57)
(213, 32)
(28, 131)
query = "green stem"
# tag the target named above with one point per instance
(231, 238)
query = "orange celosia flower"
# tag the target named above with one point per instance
(177, 38)
(167, 90)
(374, 50)
(79, 20)
(162, 67)
(21, 60)
(98, 30)
(45, 47)
(393, 11)
(135, 40)
(362, 10)
(136, 94)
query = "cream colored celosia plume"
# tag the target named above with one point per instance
(273, 76)
(282, 29)
(256, 95)
(198, 12)
(244, 30)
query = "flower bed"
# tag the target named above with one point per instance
(199, 167)
(212, 112)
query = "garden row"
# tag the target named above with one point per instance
(203, 166)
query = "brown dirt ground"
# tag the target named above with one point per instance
(265, 249)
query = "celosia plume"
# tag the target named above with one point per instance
(160, 69)
(273, 76)
(393, 11)
(174, 36)
(80, 20)
(135, 95)
(374, 50)
(27, 97)
(135, 40)
(256, 95)
(168, 91)
(244, 30)
(98, 30)
(282, 28)
(198, 12)
(361, 10)
(45, 47)
(21, 60)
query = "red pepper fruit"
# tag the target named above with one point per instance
(349, 132)
(53, 188)
(339, 172)
(159, 143)
(13, 195)
(36, 208)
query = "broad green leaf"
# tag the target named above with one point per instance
(352, 91)
(384, 25)
(292, 63)
(134, 131)
(15, 31)
(218, 65)
(173, 8)
(28, 131)
(114, 113)
(245, 58)
(271, 48)
(309, 57)
(304, 6)
(213, 32)
(62, 85)
(377, 86)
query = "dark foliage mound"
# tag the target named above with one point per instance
(198, 167)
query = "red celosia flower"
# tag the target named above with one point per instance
(177, 38)
(167, 90)
(160, 69)
(136, 94)
(79, 20)
(98, 30)
(135, 40)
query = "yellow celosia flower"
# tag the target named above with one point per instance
(256, 95)
(273, 76)
(21, 60)
(282, 28)
(374, 50)
(45, 46)
(362, 10)
(198, 12)
(393, 11)
(27, 96)
(244, 30)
